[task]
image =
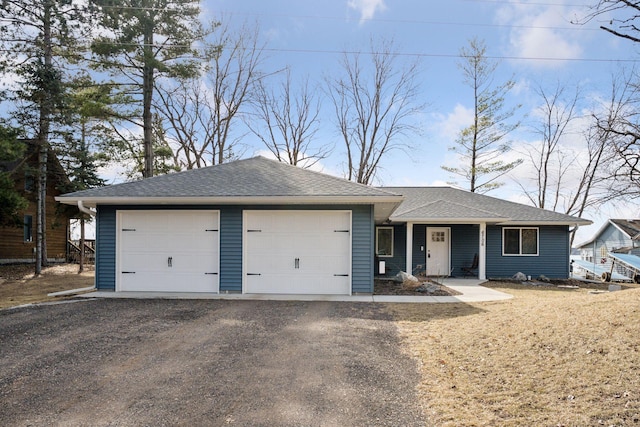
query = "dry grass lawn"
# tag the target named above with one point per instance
(19, 286)
(548, 357)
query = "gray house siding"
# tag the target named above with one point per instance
(552, 261)
(231, 243)
(613, 238)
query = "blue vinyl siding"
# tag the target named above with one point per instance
(105, 278)
(231, 249)
(465, 245)
(362, 249)
(398, 261)
(231, 243)
(552, 261)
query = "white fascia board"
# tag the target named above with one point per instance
(449, 220)
(231, 200)
(497, 221)
(534, 223)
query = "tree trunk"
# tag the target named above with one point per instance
(147, 96)
(43, 146)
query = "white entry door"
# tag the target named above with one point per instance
(438, 250)
(297, 252)
(168, 251)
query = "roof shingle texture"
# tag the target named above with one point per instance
(629, 226)
(254, 177)
(446, 202)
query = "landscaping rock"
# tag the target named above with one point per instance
(403, 276)
(519, 276)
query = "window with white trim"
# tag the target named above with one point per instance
(520, 241)
(384, 241)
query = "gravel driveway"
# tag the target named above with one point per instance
(243, 363)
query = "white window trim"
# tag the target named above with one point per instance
(392, 241)
(520, 242)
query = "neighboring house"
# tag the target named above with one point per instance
(260, 226)
(17, 244)
(616, 235)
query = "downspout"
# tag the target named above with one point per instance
(87, 211)
(83, 209)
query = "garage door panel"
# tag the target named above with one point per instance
(300, 284)
(297, 252)
(168, 251)
(270, 242)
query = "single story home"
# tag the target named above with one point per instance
(261, 226)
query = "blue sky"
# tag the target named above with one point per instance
(535, 42)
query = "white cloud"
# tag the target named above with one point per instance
(448, 127)
(366, 8)
(536, 32)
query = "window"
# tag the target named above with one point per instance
(520, 241)
(384, 241)
(29, 182)
(437, 236)
(28, 228)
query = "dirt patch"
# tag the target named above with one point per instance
(550, 356)
(19, 286)
(422, 287)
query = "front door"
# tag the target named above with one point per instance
(438, 246)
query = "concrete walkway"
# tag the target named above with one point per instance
(469, 288)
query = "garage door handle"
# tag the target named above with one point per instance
(170, 261)
(341, 275)
(254, 274)
(297, 263)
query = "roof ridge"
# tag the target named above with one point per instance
(323, 174)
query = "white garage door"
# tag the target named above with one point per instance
(297, 252)
(168, 251)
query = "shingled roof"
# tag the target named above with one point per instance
(256, 180)
(631, 227)
(446, 204)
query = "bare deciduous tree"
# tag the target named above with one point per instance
(288, 121)
(574, 171)
(622, 20)
(622, 16)
(547, 156)
(201, 113)
(620, 127)
(374, 113)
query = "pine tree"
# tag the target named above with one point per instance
(482, 145)
(38, 39)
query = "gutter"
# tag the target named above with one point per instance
(85, 210)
